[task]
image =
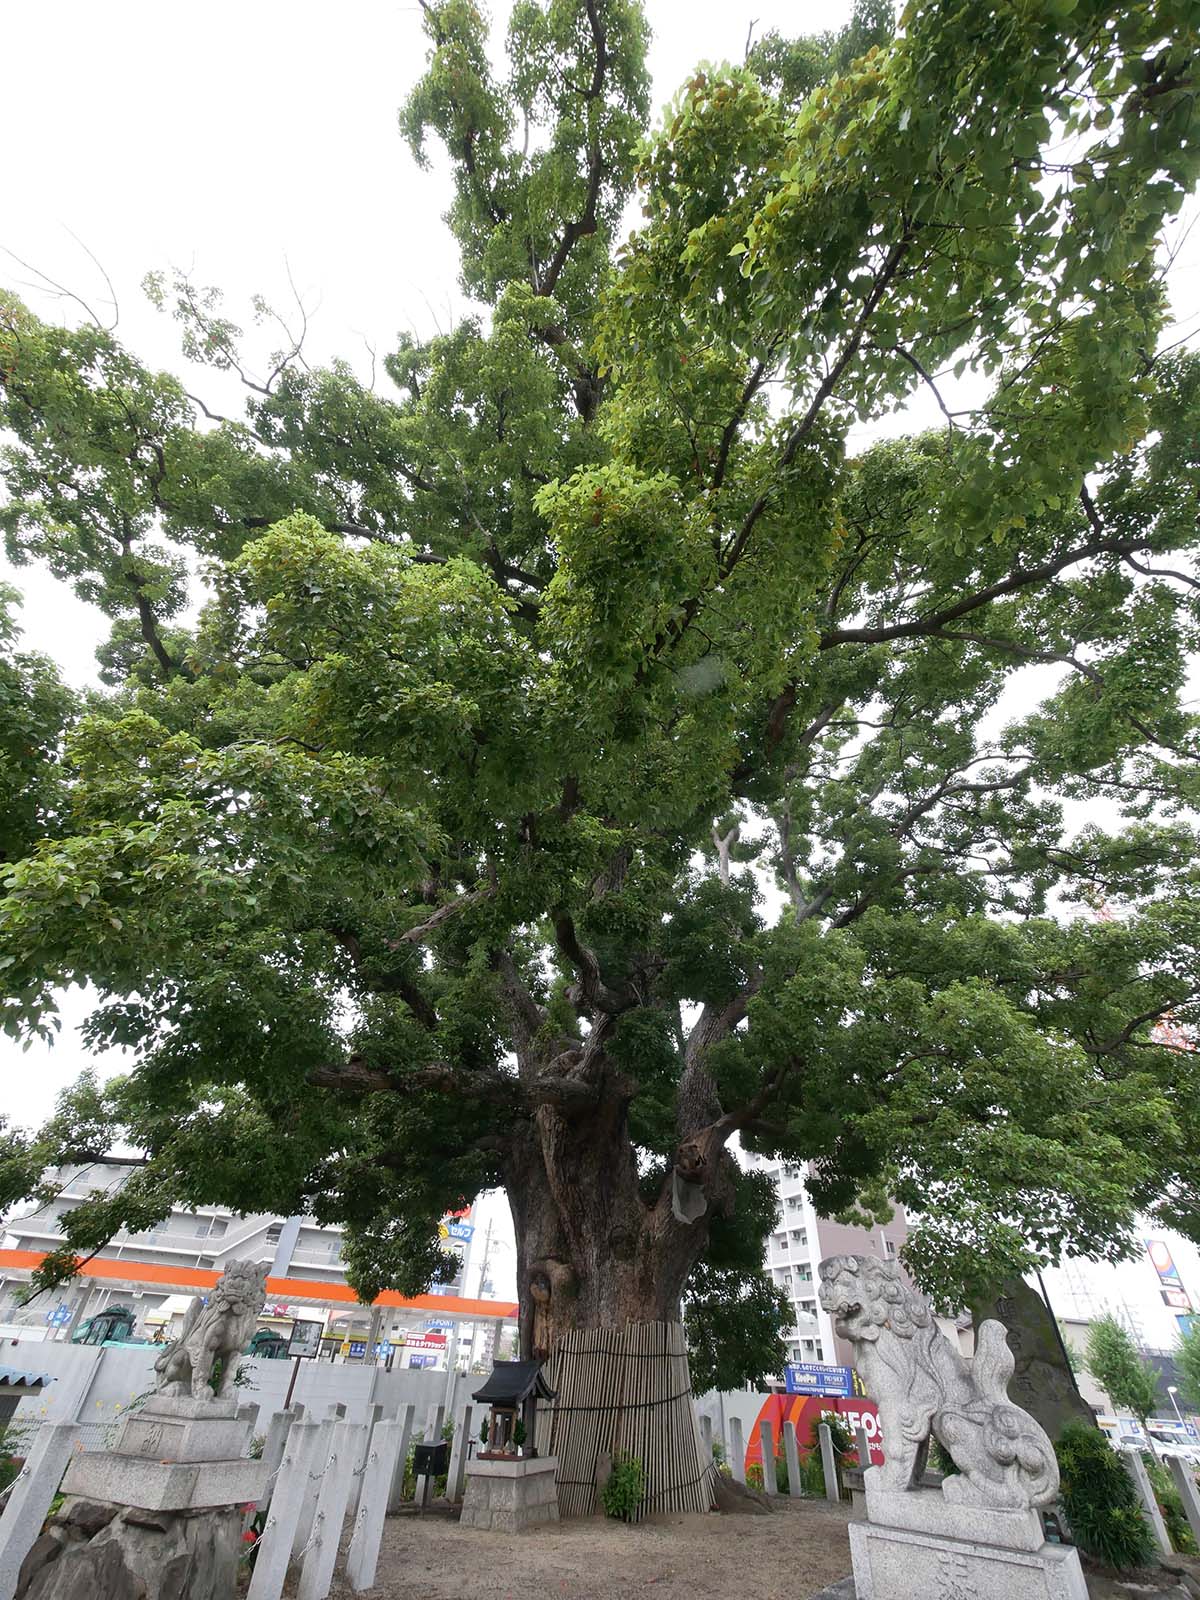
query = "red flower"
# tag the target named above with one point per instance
(248, 1537)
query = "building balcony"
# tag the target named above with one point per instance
(326, 1260)
(29, 1233)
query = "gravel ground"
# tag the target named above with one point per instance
(788, 1555)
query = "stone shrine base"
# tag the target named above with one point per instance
(92, 1551)
(158, 1517)
(510, 1496)
(916, 1545)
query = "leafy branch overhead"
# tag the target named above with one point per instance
(582, 757)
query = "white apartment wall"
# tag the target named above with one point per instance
(795, 1249)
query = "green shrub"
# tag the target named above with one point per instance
(622, 1494)
(839, 1432)
(754, 1475)
(812, 1472)
(1100, 1500)
(1170, 1503)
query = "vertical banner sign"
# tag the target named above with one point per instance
(1173, 1292)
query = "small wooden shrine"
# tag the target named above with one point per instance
(507, 1492)
(512, 1392)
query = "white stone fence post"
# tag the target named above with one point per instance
(1182, 1471)
(829, 1463)
(274, 1550)
(460, 1449)
(792, 1456)
(337, 1479)
(770, 1482)
(737, 1450)
(396, 1494)
(1141, 1482)
(363, 1559)
(29, 1500)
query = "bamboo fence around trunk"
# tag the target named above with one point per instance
(627, 1392)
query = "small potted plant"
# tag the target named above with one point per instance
(484, 1435)
(518, 1436)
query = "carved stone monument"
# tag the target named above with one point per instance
(978, 1537)
(159, 1516)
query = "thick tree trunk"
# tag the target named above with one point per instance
(591, 1253)
(595, 1258)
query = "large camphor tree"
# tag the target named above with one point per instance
(583, 759)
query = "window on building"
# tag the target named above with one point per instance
(795, 1202)
(810, 1347)
(799, 1236)
(889, 1248)
(274, 1233)
(217, 1227)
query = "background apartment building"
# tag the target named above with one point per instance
(209, 1237)
(800, 1242)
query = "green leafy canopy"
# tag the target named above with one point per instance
(446, 848)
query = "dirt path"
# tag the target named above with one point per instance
(789, 1555)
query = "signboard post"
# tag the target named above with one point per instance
(305, 1339)
(303, 1343)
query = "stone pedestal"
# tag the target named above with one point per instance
(160, 1515)
(915, 1544)
(509, 1496)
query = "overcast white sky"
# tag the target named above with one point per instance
(242, 141)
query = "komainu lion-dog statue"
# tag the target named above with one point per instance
(923, 1385)
(214, 1332)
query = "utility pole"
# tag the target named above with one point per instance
(483, 1277)
(452, 1347)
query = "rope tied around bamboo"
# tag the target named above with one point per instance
(627, 1392)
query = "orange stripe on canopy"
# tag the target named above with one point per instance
(291, 1289)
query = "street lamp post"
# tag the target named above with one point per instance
(1173, 1391)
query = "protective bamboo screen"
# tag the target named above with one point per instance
(615, 1387)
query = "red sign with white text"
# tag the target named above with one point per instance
(806, 1411)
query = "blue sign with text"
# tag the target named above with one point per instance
(811, 1377)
